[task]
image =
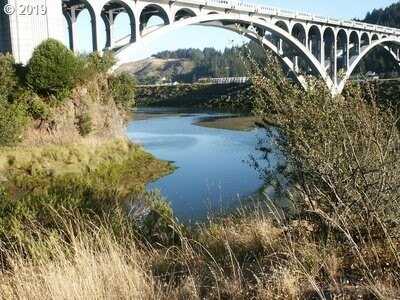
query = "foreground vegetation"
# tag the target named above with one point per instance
(88, 233)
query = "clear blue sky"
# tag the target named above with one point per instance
(200, 37)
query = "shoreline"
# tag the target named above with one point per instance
(228, 122)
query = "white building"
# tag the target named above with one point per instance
(27, 23)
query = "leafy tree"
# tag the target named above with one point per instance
(53, 68)
(123, 88)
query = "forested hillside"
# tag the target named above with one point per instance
(189, 65)
(389, 16)
(380, 61)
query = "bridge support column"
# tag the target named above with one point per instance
(335, 62)
(108, 18)
(72, 17)
(347, 49)
(280, 46)
(323, 53)
(96, 32)
(296, 64)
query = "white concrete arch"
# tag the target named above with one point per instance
(299, 31)
(315, 39)
(72, 13)
(148, 10)
(282, 24)
(366, 51)
(267, 43)
(183, 13)
(241, 19)
(365, 39)
(110, 11)
(374, 37)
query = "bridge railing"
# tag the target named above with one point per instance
(285, 13)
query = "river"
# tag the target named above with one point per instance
(213, 172)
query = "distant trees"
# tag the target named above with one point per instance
(379, 60)
(389, 16)
(210, 62)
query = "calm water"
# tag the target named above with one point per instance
(212, 173)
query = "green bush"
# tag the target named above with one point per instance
(85, 125)
(12, 122)
(95, 64)
(122, 87)
(53, 68)
(101, 63)
(8, 76)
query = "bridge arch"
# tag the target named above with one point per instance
(240, 22)
(365, 52)
(184, 13)
(374, 38)
(314, 41)
(109, 12)
(71, 13)
(365, 40)
(283, 25)
(354, 47)
(342, 46)
(299, 32)
(329, 62)
(150, 11)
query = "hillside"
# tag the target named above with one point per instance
(389, 16)
(380, 61)
(188, 65)
(153, 69)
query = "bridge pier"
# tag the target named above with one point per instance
(108, 18)
(72, 16)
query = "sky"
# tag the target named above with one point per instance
(201, 37)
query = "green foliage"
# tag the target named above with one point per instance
(122, 88)
(95, 65)
(101, 63)
(342, 152)
(53, 68)
(35, 106)
(12, 122)
(85, 124)
(8, 76)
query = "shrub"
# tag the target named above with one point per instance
(8, 76)
(53, 68)
(94, 65)
(85, 125)
(343, 154)
(12, 122)
(101, 63)
(122, 87)
(35, 106)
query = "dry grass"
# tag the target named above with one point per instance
(247, 257)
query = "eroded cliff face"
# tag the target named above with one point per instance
(86, 130)
(91, 104)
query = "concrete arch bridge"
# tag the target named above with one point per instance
(305, 43)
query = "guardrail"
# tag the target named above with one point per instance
(285, 13)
